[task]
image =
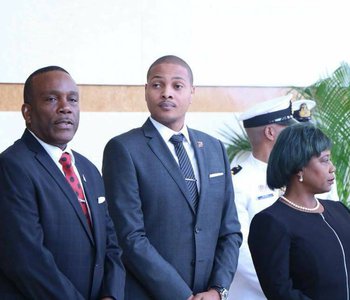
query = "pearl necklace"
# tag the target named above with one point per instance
(302, 207)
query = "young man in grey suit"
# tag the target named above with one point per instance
(57, 240)
(173, 208)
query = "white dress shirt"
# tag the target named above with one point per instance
(166, 133)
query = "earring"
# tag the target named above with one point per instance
(301, 179)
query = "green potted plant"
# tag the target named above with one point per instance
(332, 115)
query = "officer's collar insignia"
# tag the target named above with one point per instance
(236, 169)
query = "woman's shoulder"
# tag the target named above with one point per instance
(280, 213)
(275, 212)
(273, 209)
(333, 205)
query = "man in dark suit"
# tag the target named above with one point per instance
(52, 244)
(179, 232)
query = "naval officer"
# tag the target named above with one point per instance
(263, 123)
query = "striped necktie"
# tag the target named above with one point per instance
(186, 167)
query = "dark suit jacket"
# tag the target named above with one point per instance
(299, 255)
(169, 250)
(47, 250)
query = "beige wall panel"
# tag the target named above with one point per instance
(232, 99)
(114, 98)
(11, 97)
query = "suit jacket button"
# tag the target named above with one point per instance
(197, 230)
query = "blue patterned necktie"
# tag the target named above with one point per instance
(186, 167)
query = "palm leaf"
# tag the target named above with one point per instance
(332, 114)
(236, 142)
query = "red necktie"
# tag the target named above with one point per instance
(72, 179)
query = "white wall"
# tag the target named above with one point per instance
(227, 42)
(96, 129)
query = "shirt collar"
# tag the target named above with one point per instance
(257, 162)
(167, 133)
(54, 151)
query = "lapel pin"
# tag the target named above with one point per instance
(200, 144)
(84, 178)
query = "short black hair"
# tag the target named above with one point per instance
(171, 59)
(27, 91)
(294, 148)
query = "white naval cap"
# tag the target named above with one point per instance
(302, 109)
(277, 110)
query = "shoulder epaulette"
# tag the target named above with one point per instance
(236, 169)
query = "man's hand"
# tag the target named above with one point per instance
(209, 295)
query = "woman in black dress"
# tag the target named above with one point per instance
(301, 245)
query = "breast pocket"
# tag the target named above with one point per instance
(216, 177)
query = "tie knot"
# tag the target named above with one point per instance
(65, 160)
(177, 138)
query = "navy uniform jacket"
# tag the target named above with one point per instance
(169, 250)
(47, 250)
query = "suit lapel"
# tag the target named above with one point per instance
(161, 150)
(84, 178)
(49, 165)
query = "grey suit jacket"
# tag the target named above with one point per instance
(169, 250)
